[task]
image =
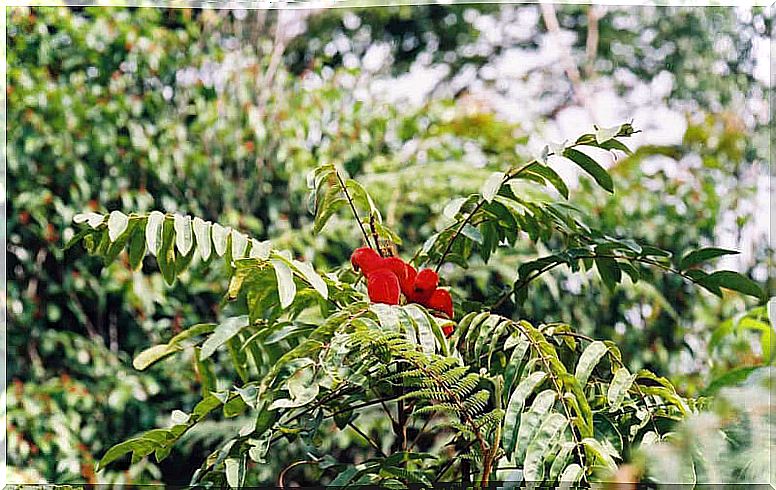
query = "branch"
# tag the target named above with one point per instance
(355, 213)
(367, 439)
(524, 282)
(282, 476)
(569, 66)
(507, 177)
(591, 44)
(559, 390)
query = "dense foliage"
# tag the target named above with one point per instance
(306, 348)
(175, 110)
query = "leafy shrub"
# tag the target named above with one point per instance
(310, 353)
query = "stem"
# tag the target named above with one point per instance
(375, 237)
(366, 404)
(385, 408)
(451, 461)
(507, 177)
(367, 439)
(420, 432)
(282, 476)
(491, 459)
(524, 282)
(556, 384)
(353, 208)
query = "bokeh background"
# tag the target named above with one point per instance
(221, 114)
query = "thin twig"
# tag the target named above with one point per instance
(282, 476)
(507, 177)
(367, 439)
(353, 208)
(524, 282)
(420, 432)
(452, 460)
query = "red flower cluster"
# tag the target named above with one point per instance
(388, 277)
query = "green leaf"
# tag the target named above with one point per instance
(193, 331)
(614, 144)
(153, 231)
(285, 281)
(531, 420)
(515, 408)
(328, 204)
(184, 238)
(736, 282)
(344, 477)
(233, 472)
(491, 186)
(165, 257)
(312, 277)
(702, 255)
(202, 236)
(302, 386)
(387, 316)
(552, 176)
(81, 235)
(362, 198)
(220, 236)
(572, 473)
(223, 332)
(342, 419)
(117, 224)
(705, 281)
(609, 271)
(239, 244)
(733, 377)
(603, 135)
(116, 452)
(590, 166)
(600, 453)
(562, 457)
(621, 383)
(92, 219)
(588, 360)
(472, 233)
(631, 270)
(425, 332)
(533, 466)
(153, 355)
(161, 453)
(137, 248)
(515, 359)
(260, 250)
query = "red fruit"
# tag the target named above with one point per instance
(448, 330)
(441, 300)
(408, 284)
(383, 287)
(365, 259)
(425, 283)
(395, 265)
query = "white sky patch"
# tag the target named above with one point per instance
(762, 47)
(412, 87)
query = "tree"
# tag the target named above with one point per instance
(310, 351)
